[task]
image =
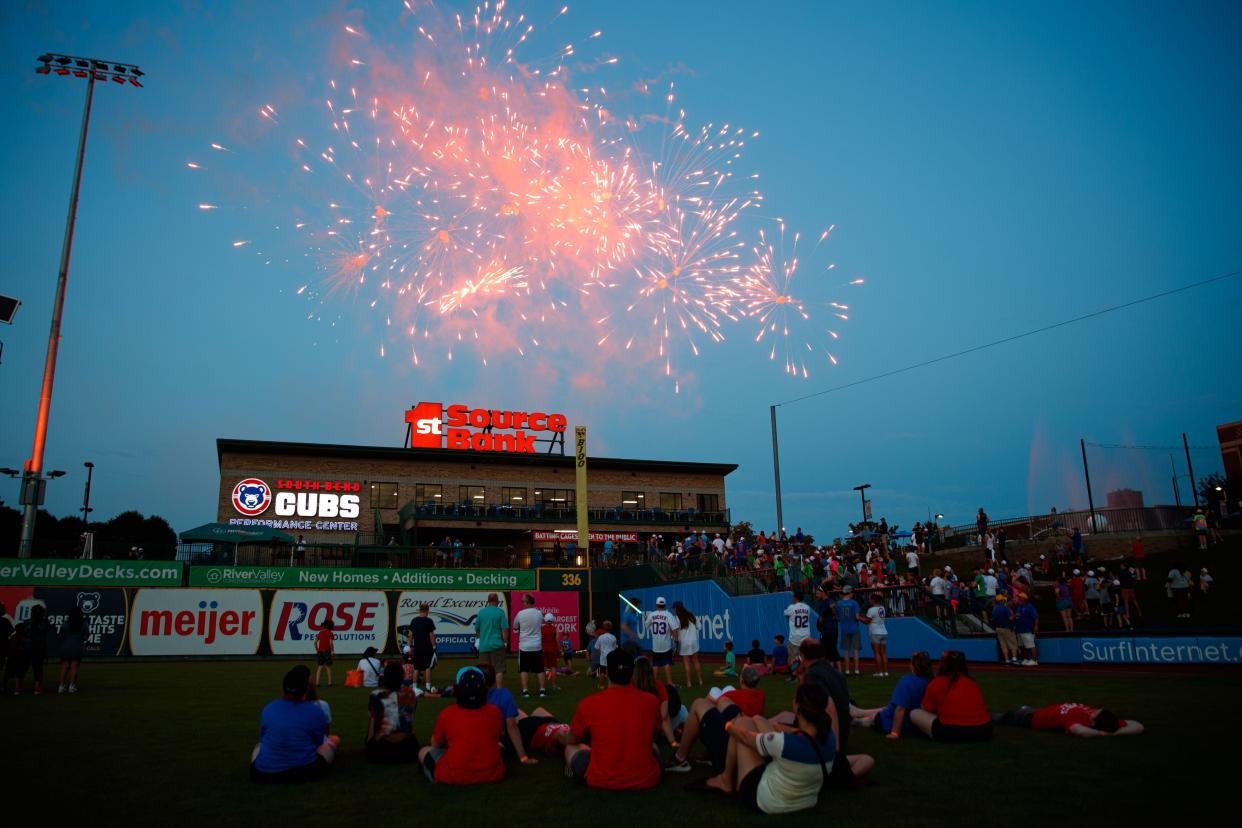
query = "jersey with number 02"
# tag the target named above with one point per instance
(799, 616)
(660, 628)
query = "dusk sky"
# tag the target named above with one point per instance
(987, 168)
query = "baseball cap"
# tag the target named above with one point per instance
(948, 569)
(847, 589)
(660, 601)
(991, 571)
(1000, 598)
(406, 650)
(296, 680)
(620, 666)
(549, 617)
(1077, 571)
(470, 688)
(1090, 571)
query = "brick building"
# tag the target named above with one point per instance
(365, 494)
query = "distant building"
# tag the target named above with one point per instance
(1125, 499)
(1230, 437)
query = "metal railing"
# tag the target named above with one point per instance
(543, 513)
(1108, 519)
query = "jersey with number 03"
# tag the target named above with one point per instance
(660, 627)
(799, 616)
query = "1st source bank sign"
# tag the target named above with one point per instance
(434, 425)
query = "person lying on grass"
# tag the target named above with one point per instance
(1072, 718)
(894, 718)
(716, 710)
(542, 732)
(293, 741)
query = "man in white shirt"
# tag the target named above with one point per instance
(798, 614)
(912, 562)
(877, 631)
(718, 544)
(663, 628)
(528, 624)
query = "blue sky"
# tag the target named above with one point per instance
(988, 168)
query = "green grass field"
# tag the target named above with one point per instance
(168, 743)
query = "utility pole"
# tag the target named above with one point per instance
(1194, 489)
(1087, 474)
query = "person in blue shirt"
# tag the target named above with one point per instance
(826, 622)
(511, 743)
(293, 741)
(629, 621)
(780, 657)
(893, 718)
(1002, 622)
(1025, 619)
(847, 621)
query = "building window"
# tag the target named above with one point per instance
(708, 502)
(670, 501)
(428, 493)
(634, 500)
(384, 496)
(470, 495)
(555, 498)
(511, 496)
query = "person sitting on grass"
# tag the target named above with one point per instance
(730, 665)
(541, 732)
(293, 741)
(953, 708)
(372, 668)
(464, 749)
(502, 699)
(645, 680)
(779, 663)
(756, 657)
(779, 769)
(1070, 717)
(390, 719)
(894, 718)
(621, 724)
(711, 714)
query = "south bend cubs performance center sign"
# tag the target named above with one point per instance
(435, 425)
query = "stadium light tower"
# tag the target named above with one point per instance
(91, 70)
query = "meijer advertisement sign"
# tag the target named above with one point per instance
(183, 622)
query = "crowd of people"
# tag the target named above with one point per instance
(640, 725)
(24, 647)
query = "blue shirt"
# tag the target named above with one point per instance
(908, 694)
(1024, 620)
(1002, 618)
(847, 615)
(289, 734)
(780, 655)
(503, 699)
(827, 621)
(629, 619)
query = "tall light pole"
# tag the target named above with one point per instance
(86, 494)
(862, 495)
(92, 70)
(776, 470)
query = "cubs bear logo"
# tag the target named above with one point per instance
(88, 602)
(251, 497)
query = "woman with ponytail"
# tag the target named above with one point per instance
(953, 708)
(777, 769)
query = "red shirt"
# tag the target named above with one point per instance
(1136, 550)
(549, 640)
(750, 701)
(960, 704)
(323, 641)
(1063, 717)
(622, 723)
(544, 738)
(473, 753)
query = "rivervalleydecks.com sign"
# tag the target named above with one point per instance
(345, 578)
(51, 572)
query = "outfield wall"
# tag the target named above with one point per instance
(742, 619)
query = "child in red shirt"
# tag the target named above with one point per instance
(324, 648)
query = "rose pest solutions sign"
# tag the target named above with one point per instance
(359, 620)
(434, 425)
(320, 505)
